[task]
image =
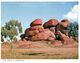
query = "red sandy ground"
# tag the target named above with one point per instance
(52, 50)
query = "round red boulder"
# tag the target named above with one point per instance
(36, 22)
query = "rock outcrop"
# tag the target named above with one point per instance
(45, 35)
(52, 30)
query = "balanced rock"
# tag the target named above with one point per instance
(36, 22)
(50, 23)
(64, 22)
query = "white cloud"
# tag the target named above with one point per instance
(73, 14)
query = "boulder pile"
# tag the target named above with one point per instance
(50, 31)
(35, 28)
(36, 32)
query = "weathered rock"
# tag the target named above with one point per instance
(33, 30)
(52, 29)
(50, 23)
(30, 33)
(36, 22)
(62, 26)
(64, 22)
(38, 27)
(66, 39)
(45, 35)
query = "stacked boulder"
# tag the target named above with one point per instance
(35, 28)
(59, 29)
(37, 32)
(63, 32)
(51, 30)
(45, 35)
(63, 26)
(66, 39)
(51, 25)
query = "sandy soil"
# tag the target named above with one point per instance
(39, 50)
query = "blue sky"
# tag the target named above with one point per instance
(26, 12)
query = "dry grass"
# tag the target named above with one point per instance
(40, 50)
(51, 53)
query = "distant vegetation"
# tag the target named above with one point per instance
(73, 30)
(10, 30)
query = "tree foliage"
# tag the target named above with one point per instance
(11, 29)
(73, 30)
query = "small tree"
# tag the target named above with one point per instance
(11, 29)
